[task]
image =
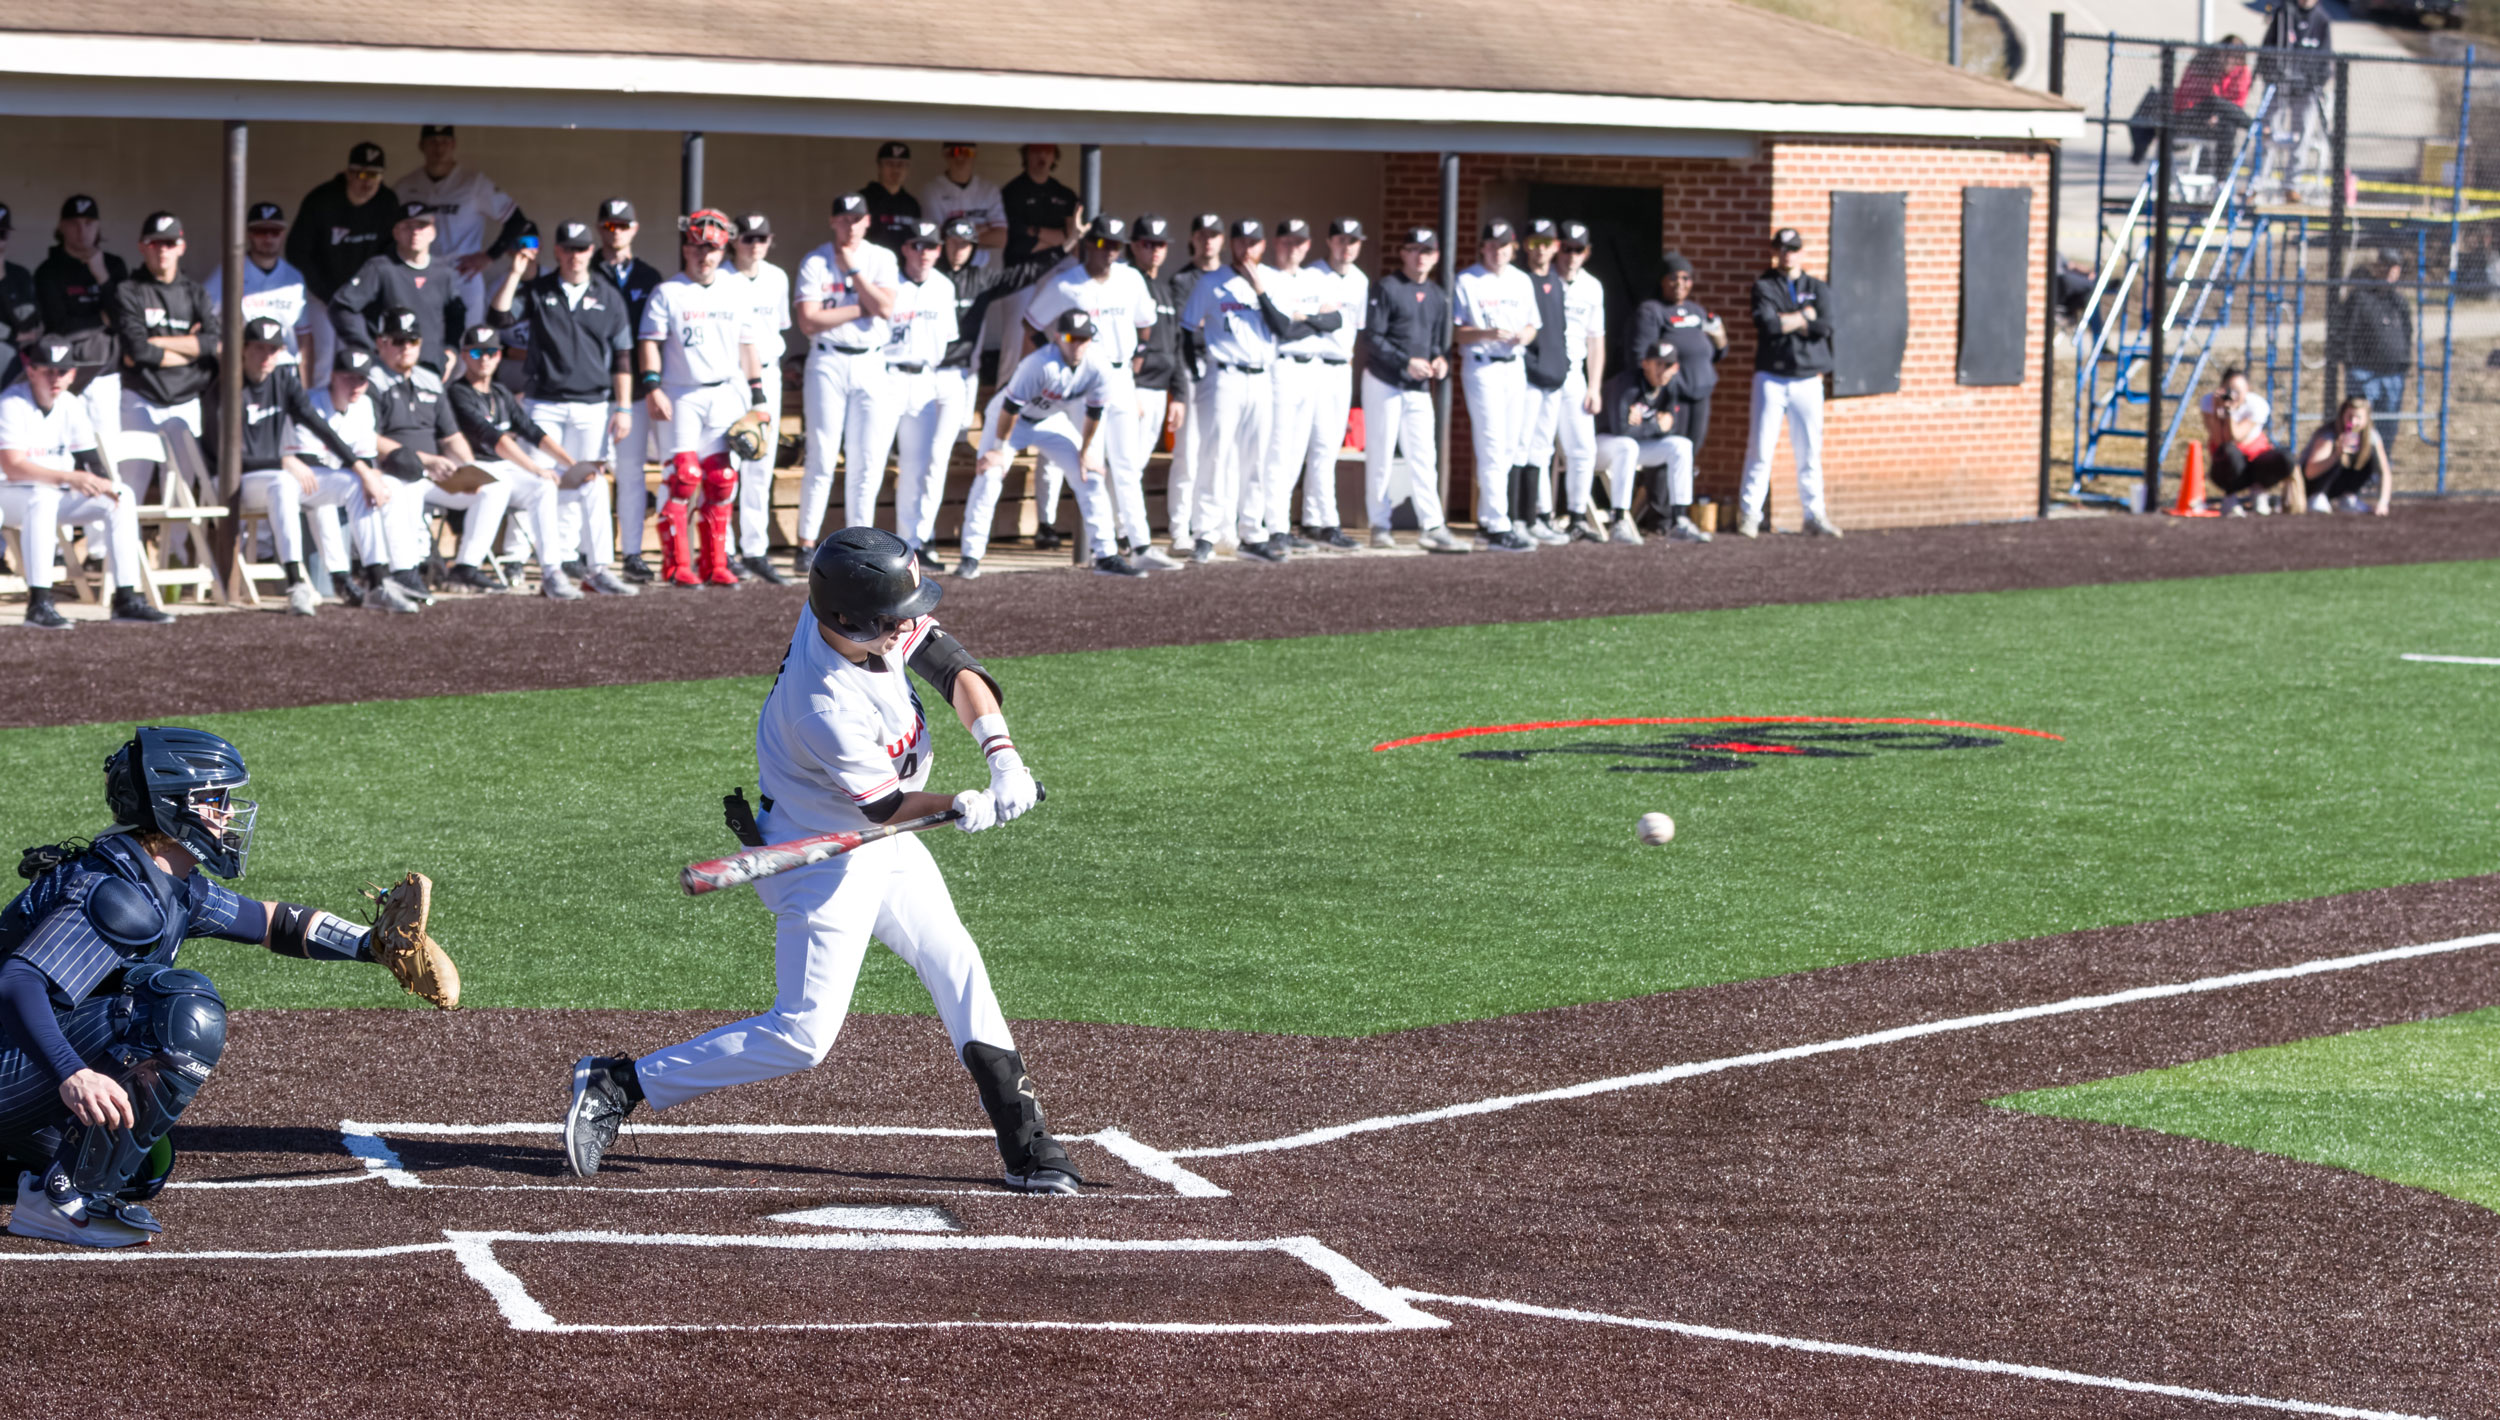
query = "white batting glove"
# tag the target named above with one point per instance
(978, 809)
(1011, 786)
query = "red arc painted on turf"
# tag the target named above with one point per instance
(1707, 720)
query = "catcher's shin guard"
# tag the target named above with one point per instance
(720, 495)
(1035, 1162)
(684, 477)
(176, 1032)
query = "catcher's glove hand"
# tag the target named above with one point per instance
(747, 437)
(399, 942)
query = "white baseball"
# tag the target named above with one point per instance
(1654, 829)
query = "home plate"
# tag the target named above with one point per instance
(873, 1219)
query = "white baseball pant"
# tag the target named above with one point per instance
(103, 395)
(1624, 457)
(1332, 400)
(823, 916)
(845, 395)
(699, 417)
(583, 528)
(1057, 448)
(275, 494)
(1575, 429)
(483, 509)
(1124, 459)
(1188, 467)
(1153, 406)
(41, 509)
(1497, 405)
(1798, 402)
(336, 492)
(934, 404)
(1289, 438)
(1232, 443)
(1400, 421)
(633, 489)
(755, 477)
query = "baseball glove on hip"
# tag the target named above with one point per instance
(400, 942)
(751, 437)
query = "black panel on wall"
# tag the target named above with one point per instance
(1996, 285)
(1870, 281)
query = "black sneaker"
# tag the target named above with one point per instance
(1047, 539)
(128, 605)
(347, 589)
(1509, 540)
(576, 569)
(1331, 539)
(1263, 550)
(1118, 567)
(1584, 529)
(1202, 551)
(598, 1111)
(412, 582)
(764, 570)
(968, 568)
(928, 561)
(1289, 543)
(41, 614)
(471, 579)
(512, 573)
(635, 569)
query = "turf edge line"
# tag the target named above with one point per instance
(1708, 720)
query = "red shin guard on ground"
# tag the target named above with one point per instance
(720, 494)
(685, 476)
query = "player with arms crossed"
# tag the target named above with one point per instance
(104, 1040)
(842, 745)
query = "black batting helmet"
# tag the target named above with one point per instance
(863, 583)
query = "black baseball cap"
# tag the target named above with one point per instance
(616, 212)
(850, 204)
(924, 234)
(1074, 324)
(1147, 228)
(416, 212)
(366, 157)
(400, 323)
(1205, 222)
(50, 355)
(1346, 227)
(1661, 350)
(265, 214)
(1673, 262)
(1247, 229)
(1542, 229)
(893, 150)
(357, 364)
(755, 224)
(1295, 228)
(161, 227)
(1498, 230)
(481, 337)
(1109, 231)
(80, 205)
(1574, 235)
(962, 229)
(7, 225)
(437, 130)
(575, 236)
(264, 330)
(1424, 237)
(1786, 239)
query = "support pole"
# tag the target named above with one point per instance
(2048, 295)
(2456, 234)
(2338, 244)
(2157, 288)
(1953, 33)
(690, 176)
(1451, 245)
(1089, 179)
(225, 548)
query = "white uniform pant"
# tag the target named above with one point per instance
(823, 916)
(1332, 399)
(1564, 419)
(845, 396)
(1124, 442)
(275, 494)
(934, 404)
(534, 498)
(1054, 442)
(1290, 437)
(397, 539)
(583, 528)
(755, 477)
(1399, 421)
(1625, 456)
(103, 396)
(42, 508)
(1188, 468)
(633, 493)
(1497, 406)
(1541, 425)
(338, 492)
(1232, 443)
(699, 417)
(140, 417)
(1798, 402)
(1153, 407)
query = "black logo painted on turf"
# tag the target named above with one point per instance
(1724, 747)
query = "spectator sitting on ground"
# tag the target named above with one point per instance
(2346, 456)
(2243, 461)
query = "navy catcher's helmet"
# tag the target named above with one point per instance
(863, 583)
(165, 776)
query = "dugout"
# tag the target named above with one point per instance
(1702, 129)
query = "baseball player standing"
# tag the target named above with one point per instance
(1406, 347)
(1344, 287)
(846, 287)
(1583, 392)
(698, 336)
(339, 226)
(1115, 297)
(959, 192)
(1156, 368)
(272, 288)
(21, 318)
(475, 222)
(1226, 310)
(1546, 363)
(1792, 350)
(892, 212)
(169, 333)
(1496, 314)
(406, 278)
(927, 408)
(1036, 410)
(1305, 297)
(73, 283)
(1192, 391)
(770, 287)
(52, 473)
(634, 279)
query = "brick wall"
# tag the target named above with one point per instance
(1936, 452)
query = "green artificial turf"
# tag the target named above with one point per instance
(2412, 1104)
(1222, 847)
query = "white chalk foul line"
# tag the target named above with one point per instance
(2070, 1006)
(152, 1254)
(2452, 660)
(1909, 1358)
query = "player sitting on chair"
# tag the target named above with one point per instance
(108, 1039)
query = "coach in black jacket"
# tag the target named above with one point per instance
(2378, 341)
(1792, 323)
(1405, 347)
(168, 331)
(404, 278)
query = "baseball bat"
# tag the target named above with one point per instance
(749, 864)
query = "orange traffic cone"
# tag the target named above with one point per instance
(2191, 502)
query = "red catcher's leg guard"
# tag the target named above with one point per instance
(720, 494)
(684, 477)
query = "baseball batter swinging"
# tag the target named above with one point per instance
(842, 745)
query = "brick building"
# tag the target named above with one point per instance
(1730, 121)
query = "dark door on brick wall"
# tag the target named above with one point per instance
(1624, 225)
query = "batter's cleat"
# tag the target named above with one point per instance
(1117, 567)
(302, 600)
(553, 583)
(1047, 539)
(1821, 527)
(1441, 539)
(1202, 551)
(1384, 540)
(1623, 533)
(471, 579)
(129, 606)
(387, 595)
(1508, 540)
(1158, 559)
(1683, 530)
(41, 614)
(1260, 550)
(635, 569)
(1034, 1162)
(968, 568)
(600, 1104)
(1046, 1169)
(79, 1221)
(928, 561)
(605, 582)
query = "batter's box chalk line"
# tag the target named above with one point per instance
(523, 1312)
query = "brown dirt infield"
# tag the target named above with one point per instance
(526, 643)
(1868, 1197)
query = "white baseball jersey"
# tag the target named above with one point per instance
(1496, 300)
(923, 323)
(469, 210)
(1350, 291)
(1224, 309)
(699, 329)
(1046, 384)
(1584, 315)
(942, 199)
(834, 736)
(1119, 303)
(353, 425)
(823, 277)
(768, 287)
(1300, 294)
(277, 293)
(50, 435)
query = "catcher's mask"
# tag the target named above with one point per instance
(179, 782)
(709, 228)
(863, 583)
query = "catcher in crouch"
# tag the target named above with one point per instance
(103, 1039)
(699, 334)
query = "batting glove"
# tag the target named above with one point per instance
(1011, 786)
(978, 809)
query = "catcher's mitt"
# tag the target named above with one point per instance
(748, 437)
(399, 942)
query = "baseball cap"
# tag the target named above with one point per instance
(1674, 262)
(1661, 350)
(1205, 222)
(355, 363)
(1147, 228)
(850, 204)
(438, 130)
(367, 156)
(416, 212)
(265, 214)
(575, 236)
(80, 205)
(1542, 229)
(6, 224)
(1786, 239)
(962, 229)
(1498, 230)
(923, 234)
(400, 323)
(1346, 227)
(957, 144)
(616, 212)
(893, 150)
(1247, 229)
(1076, 325)
(755, 224)
(1110, 231)
(1575, 235)
(1294, 227)
(1424, 237)
(481, 337)
(50, 355)
(161, 227)
(264, 330)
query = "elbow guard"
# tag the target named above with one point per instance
(941, 658)
(883, 810)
